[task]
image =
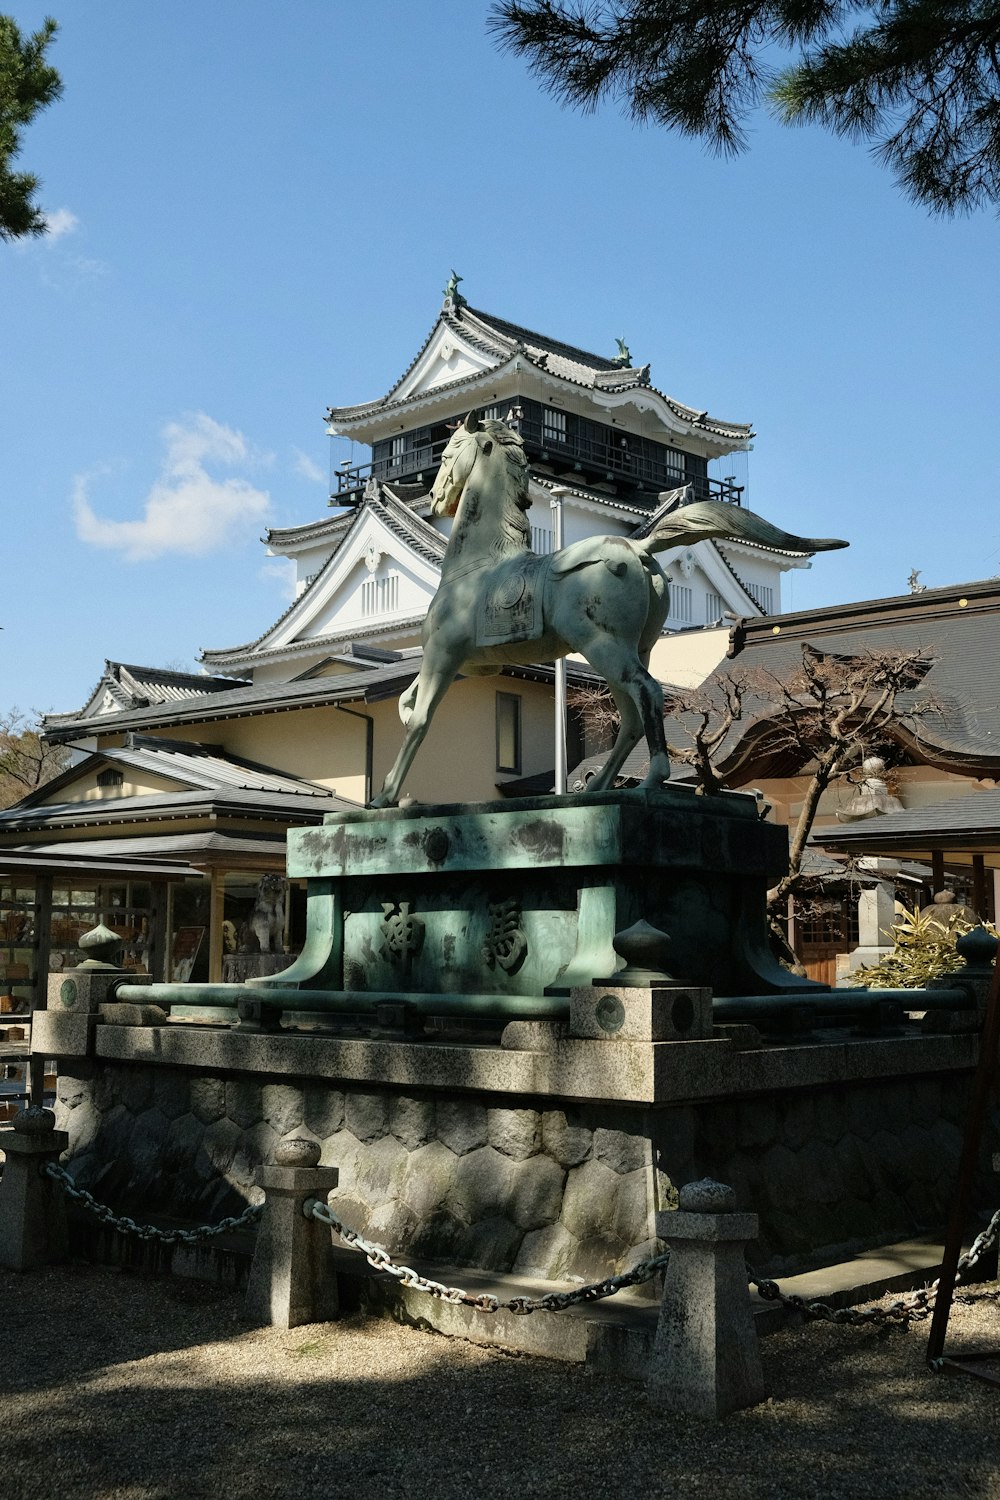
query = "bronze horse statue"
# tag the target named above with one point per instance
(499, 603)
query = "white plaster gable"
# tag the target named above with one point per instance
(446, 358)
(334, 602)
(701, 572)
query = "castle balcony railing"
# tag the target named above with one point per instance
(593, 461)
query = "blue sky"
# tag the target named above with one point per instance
(255, 207)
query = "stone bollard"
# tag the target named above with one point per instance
(292, 1279)
(705, 1360)
(32, 1206)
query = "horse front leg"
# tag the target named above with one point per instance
(417, 708)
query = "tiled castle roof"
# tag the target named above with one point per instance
(500, 340)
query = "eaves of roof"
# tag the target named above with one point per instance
(968, 821)
(253, 654)
(296, 537)
(246, 702)
(983, 596)
(257, 806)
(504, 342)
(91, 858)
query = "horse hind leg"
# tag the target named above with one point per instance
(629, 735)
(639, 698)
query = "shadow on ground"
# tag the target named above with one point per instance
(119, 1387)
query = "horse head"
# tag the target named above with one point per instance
(468, 443)
(457, 463)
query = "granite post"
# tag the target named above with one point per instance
(32, 1206)
(292, 1278)
(705, 1360)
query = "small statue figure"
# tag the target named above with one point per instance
(915, 587)
(451, 292)
(623, 359)
(266, 923)
(872, 796)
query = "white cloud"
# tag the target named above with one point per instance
(308, 468)
(280, 571)
(61, 222)
(187, 511)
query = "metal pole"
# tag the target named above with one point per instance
(560, 726)
(983, 1084)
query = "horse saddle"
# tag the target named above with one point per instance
(509, 609)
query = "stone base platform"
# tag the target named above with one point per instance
(550, 1163)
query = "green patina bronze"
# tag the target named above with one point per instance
(605, 597)
(525, 898)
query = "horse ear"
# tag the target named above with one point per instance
(472, 422)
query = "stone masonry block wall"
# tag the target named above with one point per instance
(835, 1169)
(559, 1191)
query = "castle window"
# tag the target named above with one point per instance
(553, 425)
(715, 608)
(509, 732)
(762, 596)
(380, 596)
(110, 778)
(681, 603)
(541, 539)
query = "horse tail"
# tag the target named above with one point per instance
(706, 520)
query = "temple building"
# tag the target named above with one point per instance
(183, 786)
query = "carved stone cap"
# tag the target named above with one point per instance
(707, 1197)
(34, 1121)
(101, 948)
(298, 1152)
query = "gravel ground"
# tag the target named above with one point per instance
(120, 1387)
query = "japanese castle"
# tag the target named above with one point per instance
(598, 433)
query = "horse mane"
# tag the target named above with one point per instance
(511, 445)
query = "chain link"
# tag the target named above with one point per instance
(916, 1306)
(379, 1257)
(107, 1215)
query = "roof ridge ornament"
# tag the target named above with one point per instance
(453, 299)
(623, 359)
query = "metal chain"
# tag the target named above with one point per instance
(379, 1257)
(107, 1215)
(917, 1305)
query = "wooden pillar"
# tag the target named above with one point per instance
(41, 941)
(216, 916)
(793, 931)
(937, 870)
(979, 885)
(158, 902)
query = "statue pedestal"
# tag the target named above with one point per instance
(525, 897)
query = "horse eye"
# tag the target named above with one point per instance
(488, 447)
